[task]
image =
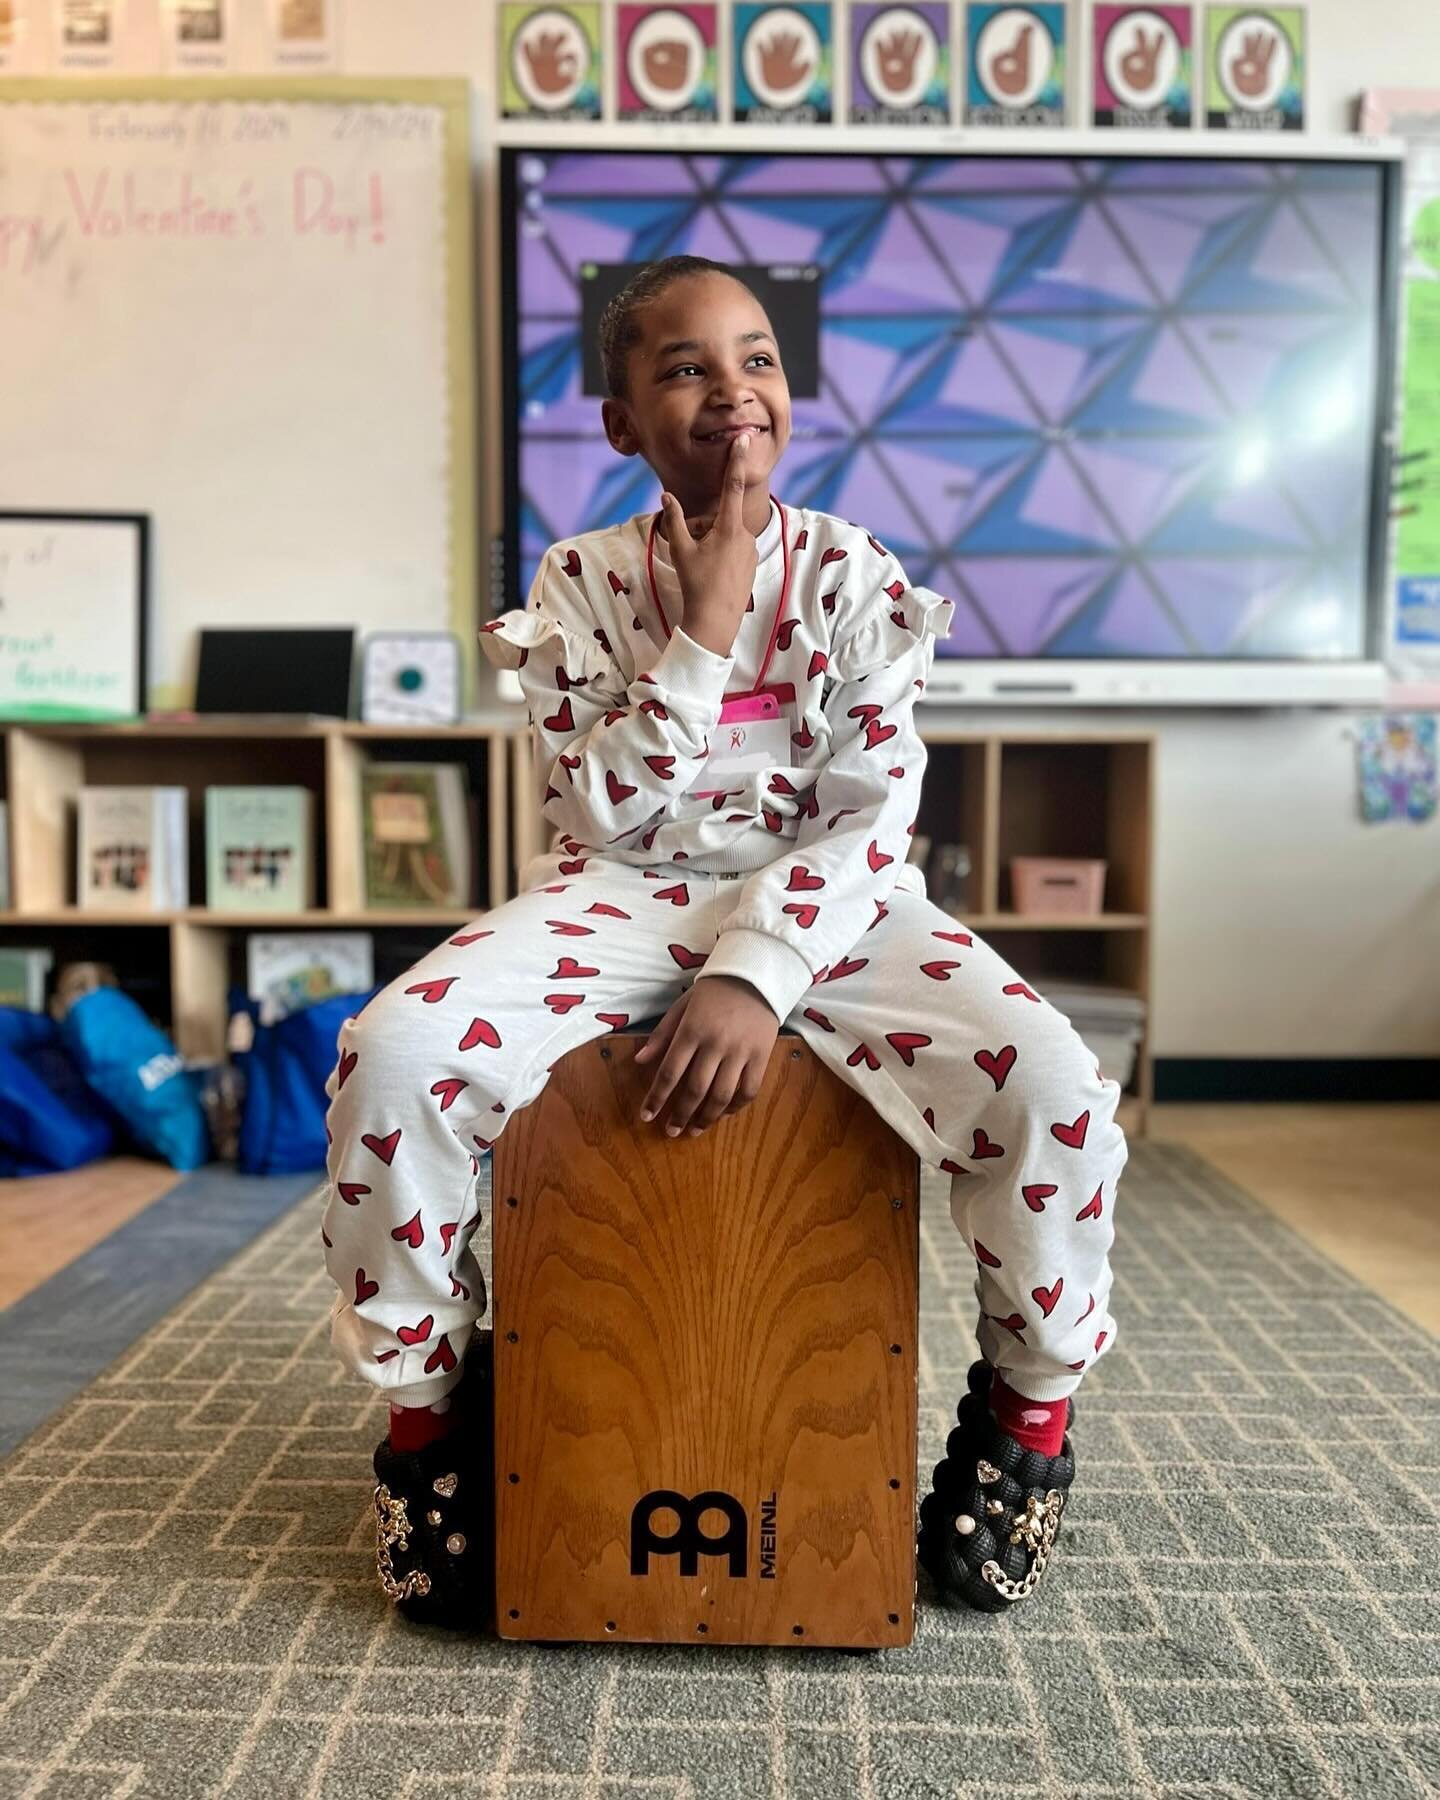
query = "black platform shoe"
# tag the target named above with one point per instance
(988, 1529)
(435, 1511)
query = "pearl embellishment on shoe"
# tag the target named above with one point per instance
(455, 1543)
(964, 1525)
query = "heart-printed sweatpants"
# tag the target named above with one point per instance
(962, 1057)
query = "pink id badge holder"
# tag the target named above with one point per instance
(753, 733)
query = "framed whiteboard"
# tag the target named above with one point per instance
(74, 593)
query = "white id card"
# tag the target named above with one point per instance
(753, 733)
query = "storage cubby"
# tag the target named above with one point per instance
(139, 955)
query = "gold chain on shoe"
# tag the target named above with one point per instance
(1035, 1528)
(392, 1527)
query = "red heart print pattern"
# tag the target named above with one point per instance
(385, 1355)
(417, 1334)
(1087, 1312)
(844, 813)
(647, 842)
(459, 1289)
(938, 971)
(480, 1031)
(997, 1064)
(565, 680)
(616, 1021)
(432, 992)
(864, 713)
(564, 1003)
(567, 969)
(563, 928)
(447, 1091)
(809, 807)
(447, 1236)
(894, 590)
(1015, 1322)
(1037, 1193)
(832, 555)
(563, 719)
(863, 1053)
(364, 1290)
(687, 959)
(877, 734)
(383, 1147)
(470, 937)
(953, 1168)
(1101, 1339)
(441, 1357)
(848, 965)
(1073, 1136)
(773, 821)
(1093, 1208)
(569, 764)
(988, 1257)
(661, 766)
(906, 1043)
(614, 716)
(876, 857)
(819, 663)
(655, 709)
(983, 1147)
(929, 1117)
(325, 1240)
(804, 913)
(779, 785)
(350, 1191)
(1019, 987)
(482, 1144)
(1045, 1298)
(347, 1063)
(818, 1018)
(803, 738)
(617, 586)
(803, 539)
(604, 643)
(618, 790)
(802, 881)
(573, 866)
(785, 633)
(678, 895)
(876, 545)
(607, 911)
(954, 937)
(412, 1232)
(572, 563)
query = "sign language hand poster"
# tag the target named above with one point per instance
(900, 64)
(550, 62)
(783, 67)
(1143, 74)
(666, 63)
(1255, 68)
(1016, 73)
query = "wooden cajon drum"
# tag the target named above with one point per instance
(705, 1364)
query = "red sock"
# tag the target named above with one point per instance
(413, 1427)
(1037, 1424)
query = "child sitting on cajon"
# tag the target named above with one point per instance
(723, 699)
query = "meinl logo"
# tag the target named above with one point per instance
(690, 1543)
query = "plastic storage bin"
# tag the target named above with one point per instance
(1058, 884)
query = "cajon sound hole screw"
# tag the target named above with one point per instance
(513, 1613)
(514, 1480)
(512, 1337)
(605, 1057)
(609, 1624)
(894, 1481)
(794, 1056)
(702, 1627)
(894, 1349)
(894, 1618)
(511, 1201)
(897, 1202)
(799, 1630)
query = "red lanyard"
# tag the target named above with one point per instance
(779, 610)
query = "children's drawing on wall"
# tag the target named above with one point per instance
(1395, 766)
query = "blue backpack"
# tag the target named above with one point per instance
(49, 1119)
(136, 1071)
(282, 1120)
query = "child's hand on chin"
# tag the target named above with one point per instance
(711, 1050)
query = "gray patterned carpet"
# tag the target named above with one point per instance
(1246, 1603)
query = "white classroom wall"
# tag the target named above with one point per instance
(1284, 927)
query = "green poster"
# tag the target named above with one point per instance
(1255, 68)
(1416, 494)
(550, 62)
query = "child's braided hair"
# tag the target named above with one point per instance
(620, 322)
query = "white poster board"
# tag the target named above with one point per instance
(72, 618)
(244, 309)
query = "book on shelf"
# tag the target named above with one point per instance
(258, 849)
(286, 971)
(133, 849)
(22, 977)
(4, 856)
(415, 830)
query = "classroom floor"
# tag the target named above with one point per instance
(1357, 1181)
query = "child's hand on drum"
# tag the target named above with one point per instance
(711, 1050)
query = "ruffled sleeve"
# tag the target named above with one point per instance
(892, 626)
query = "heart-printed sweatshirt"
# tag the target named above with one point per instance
(624, 710)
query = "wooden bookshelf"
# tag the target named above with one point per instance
(1003, 794)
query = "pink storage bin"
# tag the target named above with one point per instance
(1058, 884)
